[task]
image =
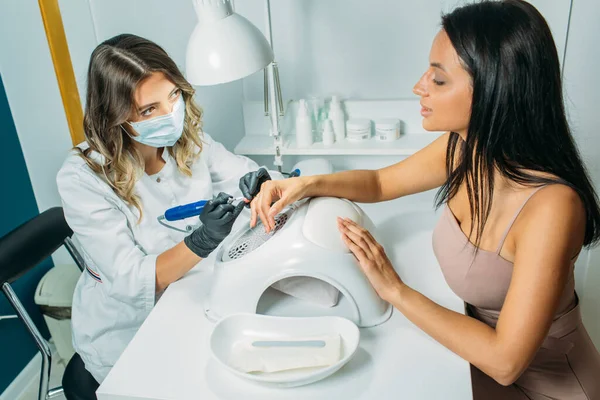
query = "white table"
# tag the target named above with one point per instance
(169, 357)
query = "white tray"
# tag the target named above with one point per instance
(238, 327)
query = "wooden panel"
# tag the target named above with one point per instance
(59, 51)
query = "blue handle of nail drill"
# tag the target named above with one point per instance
(194, 209)
(185, 211)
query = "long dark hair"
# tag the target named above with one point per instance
(117, 67)
(518, 120)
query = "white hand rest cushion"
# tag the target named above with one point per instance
(320, 224)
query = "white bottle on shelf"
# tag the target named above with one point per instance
(336, 114)
(304, 136)
(328, 135)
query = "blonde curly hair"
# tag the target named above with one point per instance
(117, 67)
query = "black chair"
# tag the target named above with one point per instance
(20, 251)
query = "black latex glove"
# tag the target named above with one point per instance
(251, 182)
(217, 219)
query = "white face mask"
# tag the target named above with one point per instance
(163, 131)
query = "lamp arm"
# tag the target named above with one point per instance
(274, 93)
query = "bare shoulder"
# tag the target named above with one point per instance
(558, 201)
(554, 215)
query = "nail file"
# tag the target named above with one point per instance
(288, 343)
(236, 199)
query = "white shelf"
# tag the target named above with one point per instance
(258, 142)
(254, 145)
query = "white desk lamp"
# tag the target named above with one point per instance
(225, 47)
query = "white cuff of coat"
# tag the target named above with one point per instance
(148, 280)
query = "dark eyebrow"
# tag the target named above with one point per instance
(438, 65)
(155, 103)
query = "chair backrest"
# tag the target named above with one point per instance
(29, 244)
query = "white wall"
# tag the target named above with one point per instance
(374, 49)
(323, 47)
(81, 38)
(583, 97)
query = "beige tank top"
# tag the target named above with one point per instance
(482, 279)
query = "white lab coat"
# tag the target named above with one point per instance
(116, 293)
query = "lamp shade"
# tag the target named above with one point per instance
(224, 46)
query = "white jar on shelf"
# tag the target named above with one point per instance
(387, 129)
(358, 129)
